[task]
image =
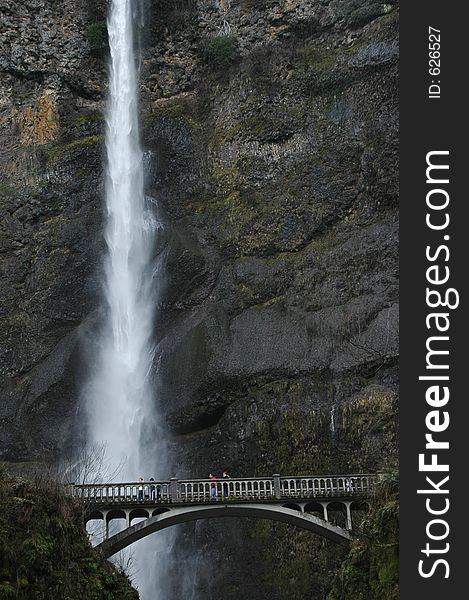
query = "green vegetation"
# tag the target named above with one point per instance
(96, 34)
(222, 50)
(88, 118)
(82, 125)
(58, 150)
(371, 569)
(44, 548)
(294, 440)
(173, 111)
(182, 109)
(6, 189)
(303, 562)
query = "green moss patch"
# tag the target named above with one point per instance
(371, 569)
(174, 111)
(55, 152)
(6, 190)
(44, 548)
(222, 50)
(97, 37)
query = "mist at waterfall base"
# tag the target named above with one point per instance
(121, 407)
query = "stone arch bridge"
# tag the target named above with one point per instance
(321, 504)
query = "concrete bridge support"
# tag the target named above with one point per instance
(174, 516)
(308, 502)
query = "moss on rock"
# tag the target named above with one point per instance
(55, 152)
(175, 109)
(222, 50)
(97, 36)
(371, 569)
(44, 549)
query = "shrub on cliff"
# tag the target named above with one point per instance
(44, 548)
(371, 569)
(97, 37)
(222, 50)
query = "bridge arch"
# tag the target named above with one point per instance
(316, 509)
(292, 506)
(175, 516)
(138, 513)
(95, 515)
(116, 513)
(337, 513)
(159, 511)
(359, 509)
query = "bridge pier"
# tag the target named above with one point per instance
(184, 514)
(105, 524)
(347, 504)
(348, 512)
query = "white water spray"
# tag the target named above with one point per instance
(120, 398)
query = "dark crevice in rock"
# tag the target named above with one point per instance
(198, 418)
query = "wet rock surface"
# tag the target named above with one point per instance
(273, 161)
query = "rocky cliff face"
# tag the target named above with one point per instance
(271, 137)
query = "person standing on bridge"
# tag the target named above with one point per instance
(140, 489)
(225, 483)
(152, 488)
(155, 490)
(213, 486)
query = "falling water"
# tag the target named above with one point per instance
(332, 419)
(120, 397)
(120, 391)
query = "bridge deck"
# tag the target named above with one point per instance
(202, 491)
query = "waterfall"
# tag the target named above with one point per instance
(120, 395)
(120, 399)
(332, 425)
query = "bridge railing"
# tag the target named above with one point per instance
(206, 489)
(197, 491)
(124, 492)
(345, 485)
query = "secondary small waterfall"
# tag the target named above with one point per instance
(332, 425)
(120, 400)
